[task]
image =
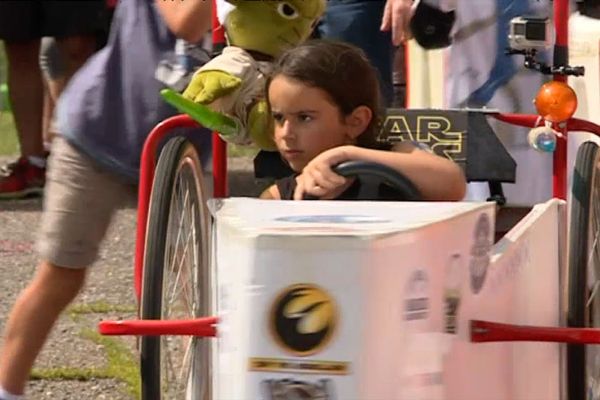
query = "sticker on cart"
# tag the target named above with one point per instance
(416, 305)
(333, 219)
(480, 252)
(298, 366)
(452, 292)
(285, 389)
(303, 319)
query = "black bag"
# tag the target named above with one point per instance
(431, 26)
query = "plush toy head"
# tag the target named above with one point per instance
(271, 26)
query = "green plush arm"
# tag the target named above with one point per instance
(206, 86)
(260, 126)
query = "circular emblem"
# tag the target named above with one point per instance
(480, 253)
(303, 319)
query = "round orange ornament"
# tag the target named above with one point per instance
(556, 101)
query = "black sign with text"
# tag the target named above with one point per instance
(463, 136)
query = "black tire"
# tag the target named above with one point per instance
(583, 362)
(178, 173)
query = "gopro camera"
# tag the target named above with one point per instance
(529, 33)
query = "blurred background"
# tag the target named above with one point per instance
(8, 138)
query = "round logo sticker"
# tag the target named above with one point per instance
(303, 319)
(480, 253)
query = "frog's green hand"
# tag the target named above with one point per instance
(205, 116)
(260, 126)
(206, 86)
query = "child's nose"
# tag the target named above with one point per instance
(287, 130)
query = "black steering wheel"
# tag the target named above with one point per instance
(372, 175)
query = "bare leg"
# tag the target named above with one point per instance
(47, 116)
(26, 94)
(75, 51)
(31, 319)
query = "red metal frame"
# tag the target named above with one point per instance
(481, 331)
(204, 327)
(148, 164)
(147, 167)
(485, 331)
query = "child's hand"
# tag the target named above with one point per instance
(318, 179)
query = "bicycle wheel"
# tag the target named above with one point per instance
(176, 279)
(583, 362)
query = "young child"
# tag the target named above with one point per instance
(325, 101)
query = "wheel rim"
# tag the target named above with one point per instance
(592, 309)
(184, 359)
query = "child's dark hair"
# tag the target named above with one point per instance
(340, 70)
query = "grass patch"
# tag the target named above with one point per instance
(100, 307)
(121, 366)
(121, 363)
(241, 151)
(69, 374)
(9, 144)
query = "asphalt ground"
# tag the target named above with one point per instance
(78, 363)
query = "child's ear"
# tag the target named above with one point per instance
(358, 121)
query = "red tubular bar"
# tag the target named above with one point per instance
(204, 327)
(559, 168)
(561, 57)
(533, 120)
(219, 146)
(148, 164)
(485, 331)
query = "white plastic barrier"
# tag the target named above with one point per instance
(360, 300)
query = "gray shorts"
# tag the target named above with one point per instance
(79, 202)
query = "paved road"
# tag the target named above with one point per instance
(77, 363)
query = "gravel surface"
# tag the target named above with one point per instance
(110, 285)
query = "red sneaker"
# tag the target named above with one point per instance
(23, 179)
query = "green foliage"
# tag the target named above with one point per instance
(9, 145)
(2, 63)
(8, 135)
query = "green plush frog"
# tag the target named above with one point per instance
(233, 83)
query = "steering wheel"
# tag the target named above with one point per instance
(371, 175)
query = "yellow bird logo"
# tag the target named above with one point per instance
(303, 318)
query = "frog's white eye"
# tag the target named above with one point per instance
(287, 11)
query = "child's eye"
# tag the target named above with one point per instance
(305, 118)
(278, 118)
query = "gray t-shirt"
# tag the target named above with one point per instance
(109, 107)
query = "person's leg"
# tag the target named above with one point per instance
(53, 72)
(79, 202)
(26, 94)
(76, 26)
(31, 319)
(74, 50)
(358, 22)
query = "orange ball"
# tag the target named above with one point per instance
(556, 101)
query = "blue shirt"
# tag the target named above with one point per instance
(111, 104)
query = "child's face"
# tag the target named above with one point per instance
(307, 122)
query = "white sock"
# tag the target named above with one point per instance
(4, 395)
(39, 162)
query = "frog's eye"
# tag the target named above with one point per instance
(287, 11)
